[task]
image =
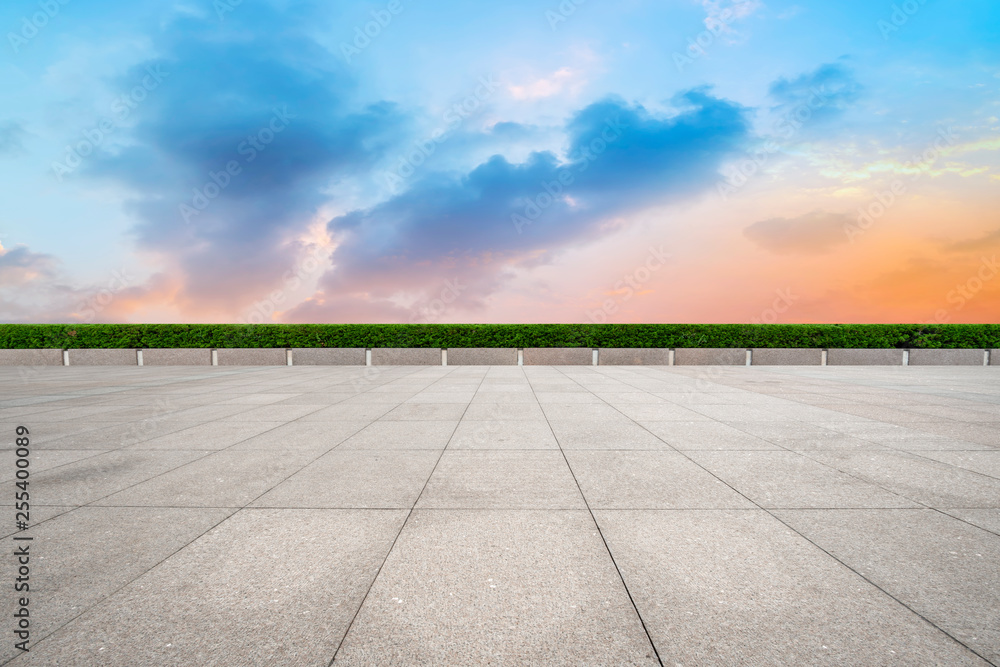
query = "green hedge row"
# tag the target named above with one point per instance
(28, 336)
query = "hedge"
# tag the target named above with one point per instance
(35, 336)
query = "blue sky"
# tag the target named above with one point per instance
(261, 161)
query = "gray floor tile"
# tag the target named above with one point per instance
(237, 597)
(402, 435)
(364, 411)
(273, 413)
(659, 413)
(83, 556)
(357, 479)
(566, 398)
(983, 462)
(222, 479)
(501, 480)
(788, 479)
(93, 478)
(768, 595)
(706, 435)
(563, 412)
(318, 437)
(920, 479)
(942, 568)
(426, 412)
(604, 434)
(503, 435)
(985, 519)
(648, 480)
(116, 436)
(505, 411)
(213, 435)
(542, 586)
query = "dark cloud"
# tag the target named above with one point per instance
(230, 238)
(501, 214)
(255, 92)
(12, 136)
(810, 234)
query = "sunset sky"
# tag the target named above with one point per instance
(524, 161)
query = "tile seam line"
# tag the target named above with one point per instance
(918, 454)
(235, 511)
(409, 514)
(597, 525)
(817, 546)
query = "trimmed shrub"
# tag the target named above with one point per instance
(36, 336)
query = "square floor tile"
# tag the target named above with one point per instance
(768, 595)
(648, 480)
(942, 568)
(237, 596)
(358, 479)
(501, 480)
(541, 585)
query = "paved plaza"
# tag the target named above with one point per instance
(546, 515)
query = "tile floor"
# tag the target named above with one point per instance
(507, 515)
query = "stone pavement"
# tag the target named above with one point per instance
(506, 515)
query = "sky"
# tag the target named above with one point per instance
(576, 161)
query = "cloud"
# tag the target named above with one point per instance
(988, 240)
(548, 86)
(34, 289)
(720, 14)
(12, 136)
(827, 92)
(810, 234)
(501, 216)
(20, 266)
(256, 94)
